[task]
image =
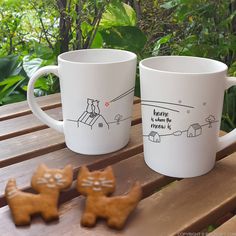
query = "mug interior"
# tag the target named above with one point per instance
(97, 56)
(183, 64)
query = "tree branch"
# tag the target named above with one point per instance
(45, 33)
(43, 27)
(95, 24)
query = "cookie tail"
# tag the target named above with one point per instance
(135, 194)
(11, 189)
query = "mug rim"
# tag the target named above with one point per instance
(130, 56)
(223, 66)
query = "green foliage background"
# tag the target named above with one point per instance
(33, 33)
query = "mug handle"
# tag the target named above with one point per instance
(229, 138)
(55, 124)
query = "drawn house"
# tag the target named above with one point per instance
(154, 137)
(194, 130)
(92, 117)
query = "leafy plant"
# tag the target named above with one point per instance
(203, 28)
(10, 79)
(38, 31)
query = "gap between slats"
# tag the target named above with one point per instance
(62, 157)
(168, 209)
(65, 156)
(228, 228)
(132, 166)
(45, 102)
(21, 108)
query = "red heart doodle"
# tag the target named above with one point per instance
(107, 104)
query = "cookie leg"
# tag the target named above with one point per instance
(50, 215)
(88, 219)
(116, 223)
(21, 219)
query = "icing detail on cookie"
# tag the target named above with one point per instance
(48, 183)
(98, 205)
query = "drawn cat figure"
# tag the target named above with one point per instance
(96, 186)
(48, 183)
(89, 108)
(96, 107)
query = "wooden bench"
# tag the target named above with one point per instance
(169, 207)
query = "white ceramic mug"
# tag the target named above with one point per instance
(182, 99)
(97, 88)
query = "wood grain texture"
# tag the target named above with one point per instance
(34, 145)
(227, 229)
(191, 204)
(45, 102)
(188, 205)
(60, 158)
(136, 99)
(70, 212)
(22, 108)
(25, 124)
(28, 145)
(29, 123)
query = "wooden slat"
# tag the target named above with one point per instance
(45, 102)
(71, 211)
(136, 99)
(30, 145)
(191, 204)
(136, 115)
(227, 229)
(22, 108)
(29, 123)
(184, 206)
(25, 124)
(60, 158)
(46, 141)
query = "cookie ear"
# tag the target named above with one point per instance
(68, 169)
(108, 170)
(83, 170)
(42, 167)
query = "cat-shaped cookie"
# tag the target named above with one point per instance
(96, 186)
(48, 183)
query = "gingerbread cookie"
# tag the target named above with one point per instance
(96, 186)
(48, 183)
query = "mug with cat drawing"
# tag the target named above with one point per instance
(97, 89)
(182, 99)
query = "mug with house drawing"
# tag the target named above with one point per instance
(162, 121)
(93, 118)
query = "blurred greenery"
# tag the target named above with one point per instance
(33, 33)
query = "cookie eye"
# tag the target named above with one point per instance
(47, 175)
(58, 176)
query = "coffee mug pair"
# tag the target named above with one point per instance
(181, 99)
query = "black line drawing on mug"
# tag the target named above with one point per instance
(169, 103)
(130, 91)
(170, 106)
(210, 119)
(150, 105)
(194, 130)
(119, 118)
(91, 116)
(122, 95)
